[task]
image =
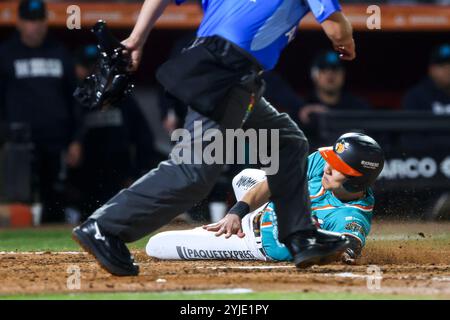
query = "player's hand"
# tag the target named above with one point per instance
(228, 225)
(134, 49)
(346, 50)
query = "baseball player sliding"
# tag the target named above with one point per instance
(339, 180)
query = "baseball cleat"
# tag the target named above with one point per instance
(110, 252)
(316, 247)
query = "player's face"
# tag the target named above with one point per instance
(440, 73)
(330, 80)
(32, 32)
(332, 179)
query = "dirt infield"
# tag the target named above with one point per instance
(414, 259)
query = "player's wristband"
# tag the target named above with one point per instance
(240, 208)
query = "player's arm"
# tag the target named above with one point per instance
(231, 223)
(248, 200)
(150, 12)
(339, 30)
(257, 196)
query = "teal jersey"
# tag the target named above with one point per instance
(352, 218)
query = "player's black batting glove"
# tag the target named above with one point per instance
(353, 252)
(111, 80)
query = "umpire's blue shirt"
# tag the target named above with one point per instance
(261, 27)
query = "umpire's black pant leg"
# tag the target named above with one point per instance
(173, 187)
(289, 186)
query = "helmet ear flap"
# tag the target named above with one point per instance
(355, 184)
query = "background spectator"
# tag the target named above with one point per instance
(328, 77)
(36, 84)
(433, 92)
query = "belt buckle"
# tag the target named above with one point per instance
(198, 42)
(195, 43)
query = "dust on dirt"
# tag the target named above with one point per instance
(408, 263)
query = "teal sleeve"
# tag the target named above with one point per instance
(349, 221)
(315, 165)
(273, 248)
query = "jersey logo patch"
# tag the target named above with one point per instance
(355, 227)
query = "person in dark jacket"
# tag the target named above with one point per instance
(433, 92)
(36, 83)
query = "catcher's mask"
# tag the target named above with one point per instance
(111, 80)
(357, 156)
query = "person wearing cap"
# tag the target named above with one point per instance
(118, 144)
(37, 80)
(340, 179)
(433, 92)
(328, 77)
(328, 94)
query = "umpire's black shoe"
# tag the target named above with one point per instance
(316, 247)
(111, 253)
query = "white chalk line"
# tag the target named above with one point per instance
(343, 275)
(42, 252)
(223, 291)
(339, 275)
(247, 267)
(441, 279)
(336, 275)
